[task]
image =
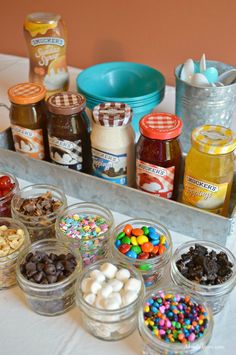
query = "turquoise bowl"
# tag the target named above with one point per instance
(120, 81)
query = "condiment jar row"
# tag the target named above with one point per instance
(109, 150)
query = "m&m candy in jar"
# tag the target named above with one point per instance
(145, 244)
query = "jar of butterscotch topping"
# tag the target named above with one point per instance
(28, 119)
(68, 131)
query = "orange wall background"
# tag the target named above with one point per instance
(159, 33)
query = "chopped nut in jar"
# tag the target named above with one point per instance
(10, 240)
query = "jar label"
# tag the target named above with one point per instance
(109, 166)
(28, 141)
(66, 153)
(204, 194)
(155, 179)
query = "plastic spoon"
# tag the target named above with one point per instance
(187, 71)
(228, 77)
(199, 79)
(202, 64)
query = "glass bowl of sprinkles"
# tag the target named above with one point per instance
(87, 226)
(174, 321)
(145, 244)
(206, 268)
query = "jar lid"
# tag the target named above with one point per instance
(112, 114)
(66, 103)
(43, 17)
(213, 139)
(26, 93)
(160, 126)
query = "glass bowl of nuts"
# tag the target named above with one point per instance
(46, 272)
(13, 239)
(37, 207)
(207, 269)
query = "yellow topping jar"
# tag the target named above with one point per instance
(209, 169)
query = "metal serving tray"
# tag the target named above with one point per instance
(176, 216)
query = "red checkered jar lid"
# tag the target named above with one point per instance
(66, 103)
(112, 114)
(26, 93)
(160, 126)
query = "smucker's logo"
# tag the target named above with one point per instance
(48, 40)
(204, 185)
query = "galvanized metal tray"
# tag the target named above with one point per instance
(175, 215)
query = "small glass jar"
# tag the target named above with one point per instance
(49, 299)
(109, 325)
(28, 119)
(159, 155)
(151, 269)
(5, 201)
(8, 262)
(209, 169)
(68, 131)
(39, 226)
(215, 295)
(68, 229)
(112, 139)
(152, 345)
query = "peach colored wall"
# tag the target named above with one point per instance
(160, 33)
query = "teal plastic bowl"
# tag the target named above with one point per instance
(120, 81)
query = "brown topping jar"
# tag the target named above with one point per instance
(68, 131)
(28, 119)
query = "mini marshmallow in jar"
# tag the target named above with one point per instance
(109, 295)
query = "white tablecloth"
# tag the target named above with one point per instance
(23, 332)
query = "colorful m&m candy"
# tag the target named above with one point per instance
(141, 243)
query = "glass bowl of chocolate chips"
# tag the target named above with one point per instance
(207, 269)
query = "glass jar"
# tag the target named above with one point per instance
(112, 139)
(104, 324)
(152, 345)
(5, 201)
(215, 295)
(49, 299)
(28, 119)
(68, 131)
(40, 226)
(8, 262)
(209, 169)
(90, 243)
(151, 269)
(158, 155)
(46, 38)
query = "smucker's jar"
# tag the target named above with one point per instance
(209, 169)
(68, 131)
(158, 155)
(28, 119)
(112, 139)
(46, 38)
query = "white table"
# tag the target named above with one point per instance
(23, 332)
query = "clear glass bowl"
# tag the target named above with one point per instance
(8, 263)
(51, 299)
(5, 201)
(109, 325)
(154, 346)
(39, 227)
(93, 248)
(215, 295)
(151, 269)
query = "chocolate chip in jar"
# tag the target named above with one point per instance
(45, 268)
